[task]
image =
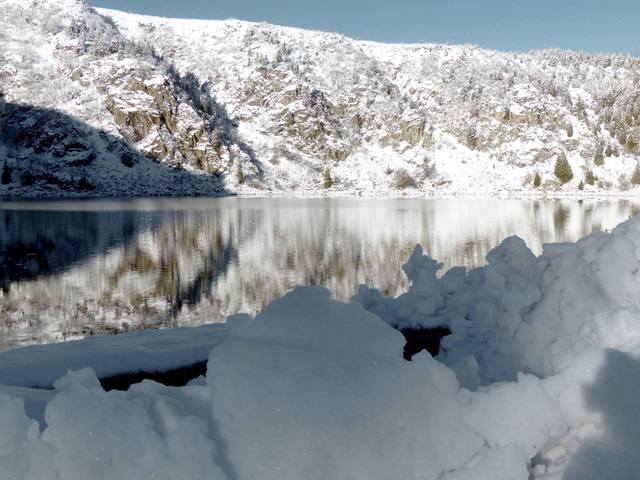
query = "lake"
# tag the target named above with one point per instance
(72, 268)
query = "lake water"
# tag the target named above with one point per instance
(86, 267)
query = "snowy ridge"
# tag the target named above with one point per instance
(264, 109)
(538, 380)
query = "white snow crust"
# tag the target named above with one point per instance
(539, 379)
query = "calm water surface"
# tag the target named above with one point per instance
(85, 267)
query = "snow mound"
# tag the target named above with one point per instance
(522, 313)
(539, 379)
(349, 386)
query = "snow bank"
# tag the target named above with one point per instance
(327, 395)
(522, 313)
(538, 379)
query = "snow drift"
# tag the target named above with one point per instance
(539, 379)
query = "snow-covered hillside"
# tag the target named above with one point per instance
(237, 107)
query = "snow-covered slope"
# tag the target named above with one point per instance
(265, 109)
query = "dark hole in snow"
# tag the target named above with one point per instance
(419, 339)
(172, 378)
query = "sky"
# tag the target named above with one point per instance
(593, 26)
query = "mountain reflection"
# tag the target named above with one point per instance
(77, 268)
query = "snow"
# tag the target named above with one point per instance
(148, 350)
(290, 104)
(539, 379)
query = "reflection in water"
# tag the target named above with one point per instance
(77, 268)
(45, 242)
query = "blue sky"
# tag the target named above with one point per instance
(589, 25)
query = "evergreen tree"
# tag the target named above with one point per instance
(608, 151)
(563, 169)
(589, 177)
(598, 159)
(570, 130)
(6, 174)
(240, 175)
(327, 179)
(536, 180)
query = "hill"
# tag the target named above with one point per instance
(238, 107)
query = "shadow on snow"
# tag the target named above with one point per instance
(616, 394)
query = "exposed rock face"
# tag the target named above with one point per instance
(48, 153)
(267, 108)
